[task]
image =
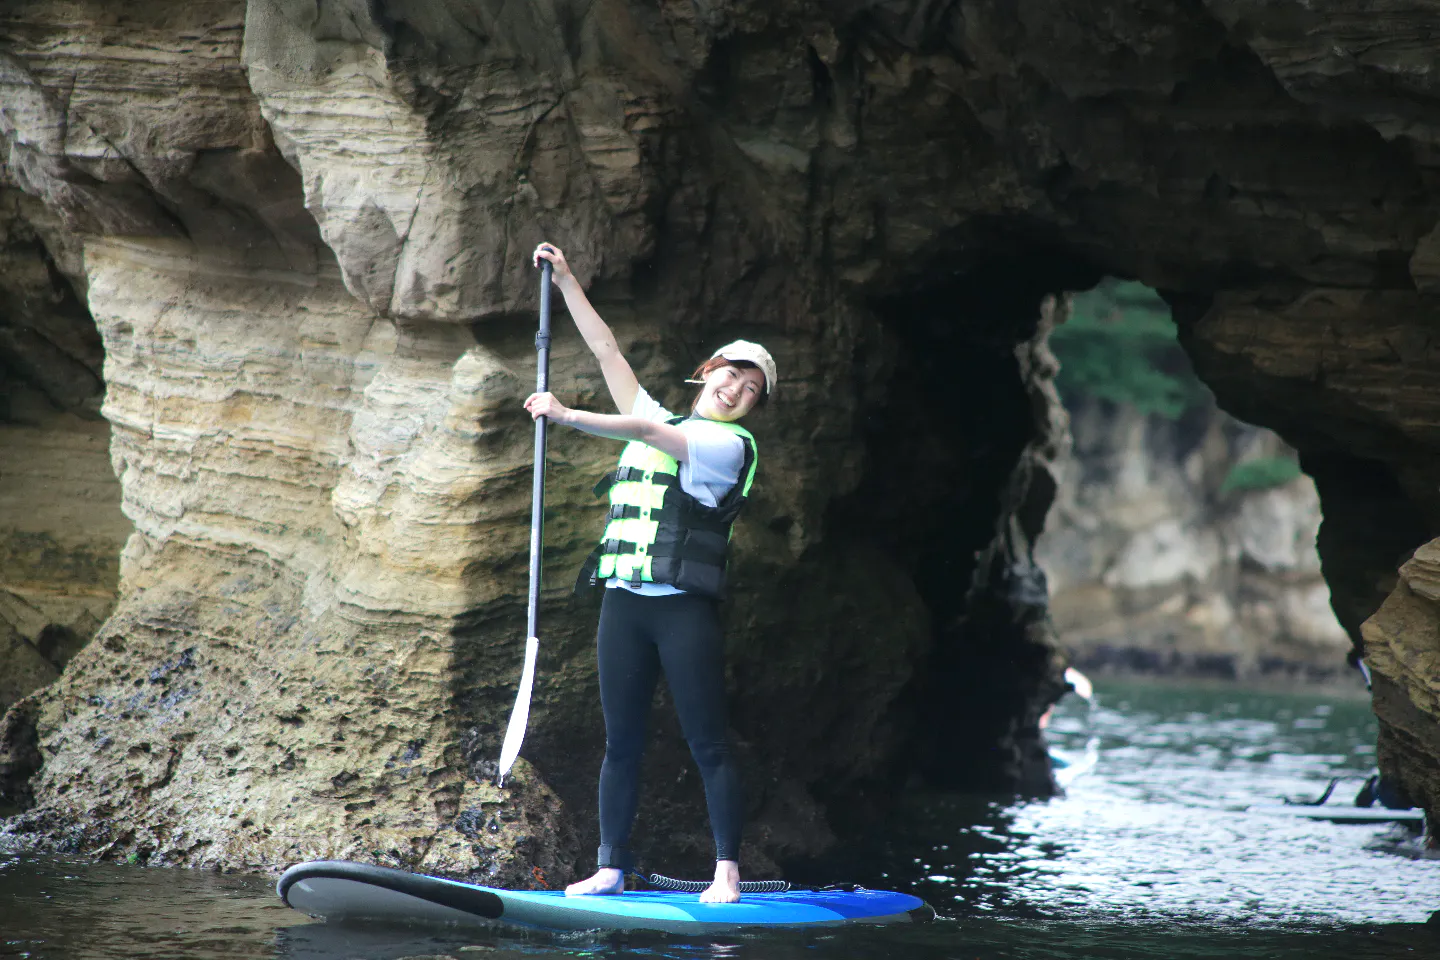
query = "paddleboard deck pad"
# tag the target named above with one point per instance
(340, 890)
(1339, 813)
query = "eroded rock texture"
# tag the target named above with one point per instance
(302, 232)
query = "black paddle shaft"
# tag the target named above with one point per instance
(537, 487)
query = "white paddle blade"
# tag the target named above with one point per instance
(520, 716)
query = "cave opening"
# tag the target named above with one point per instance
(1182, 540)
(954, 492)
(61, 527)
(994, 469)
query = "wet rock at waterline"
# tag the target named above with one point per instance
(1402, 646)
(302, 233)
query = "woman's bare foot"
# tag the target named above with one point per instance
(726, 888)
(607, 881)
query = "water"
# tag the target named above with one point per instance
(1148, 856)
(1157, 829)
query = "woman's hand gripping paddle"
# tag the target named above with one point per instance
(520, 716)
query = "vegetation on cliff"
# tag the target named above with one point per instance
(1262, 473)
(1119, 345)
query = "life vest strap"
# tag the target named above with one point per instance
(629, 474)
(587, 577)
(709, 521)
(702, 549)
(688, 549)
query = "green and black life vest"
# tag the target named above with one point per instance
(655, 532)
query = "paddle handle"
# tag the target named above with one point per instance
(537, 486)
(520, 714)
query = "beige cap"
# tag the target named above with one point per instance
(756, 354)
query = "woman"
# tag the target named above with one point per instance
(680, 483)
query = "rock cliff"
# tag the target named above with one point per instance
(1160, 562)
(302, 229)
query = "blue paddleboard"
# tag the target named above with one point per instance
(339, 890)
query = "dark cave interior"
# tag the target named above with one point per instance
(950, 496)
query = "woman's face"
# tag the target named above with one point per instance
(730, 393)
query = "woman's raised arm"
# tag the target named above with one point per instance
(618, 375)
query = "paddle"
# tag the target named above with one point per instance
(520, 715)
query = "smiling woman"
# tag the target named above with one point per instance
(678, 488)
(732, 381)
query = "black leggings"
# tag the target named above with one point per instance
(638, 636)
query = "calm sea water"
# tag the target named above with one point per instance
(1149, 855)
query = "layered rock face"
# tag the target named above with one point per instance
(258, 693)
(1157, 566)
(302, 231)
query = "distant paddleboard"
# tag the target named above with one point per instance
(338, 890)
(1339, 813)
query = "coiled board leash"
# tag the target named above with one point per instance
(660, 882)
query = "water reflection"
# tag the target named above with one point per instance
(980, 939)
(318, 941)
(78, 911)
